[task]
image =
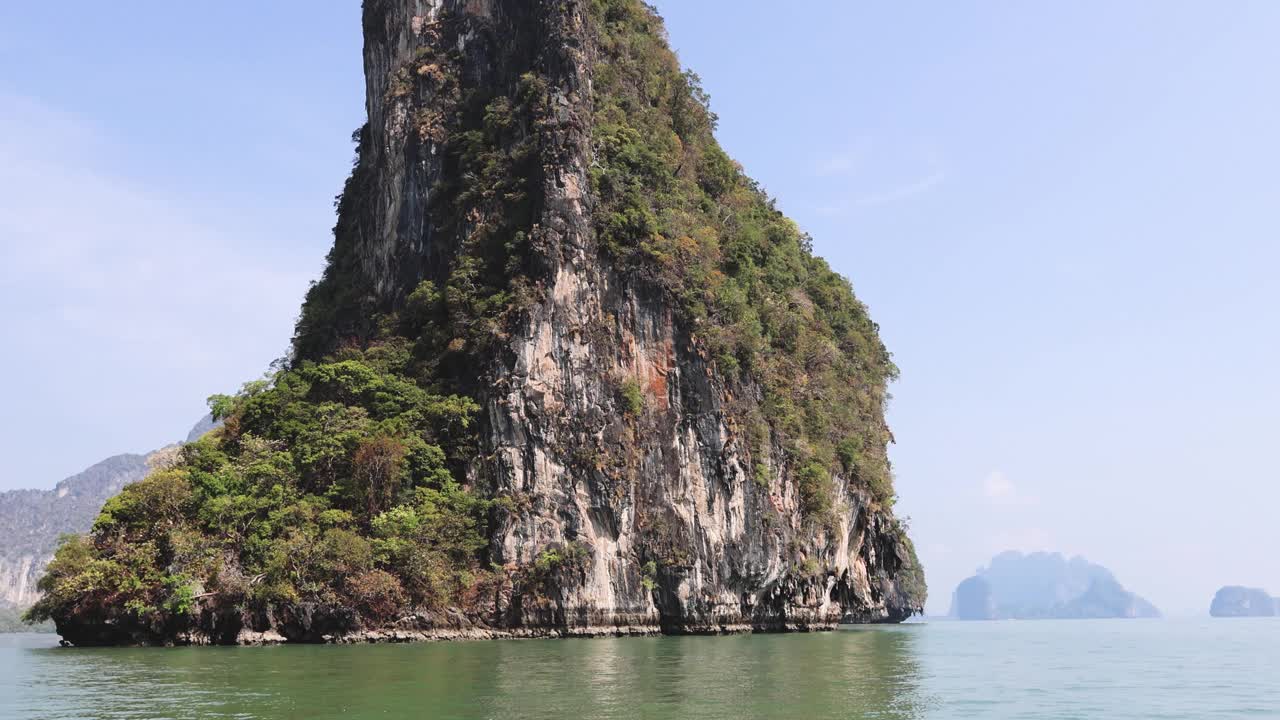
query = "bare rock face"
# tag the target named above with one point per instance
(677, 533)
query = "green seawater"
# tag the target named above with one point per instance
(1070, 669)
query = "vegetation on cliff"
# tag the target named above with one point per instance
(343, 478)
(676, 211)
(330, 484)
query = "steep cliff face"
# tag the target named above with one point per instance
(672, 485)
(548, 277)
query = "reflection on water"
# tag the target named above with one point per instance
(869, 673)
(1049, 670)
(847, 675)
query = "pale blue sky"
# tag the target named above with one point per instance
(1063, 215)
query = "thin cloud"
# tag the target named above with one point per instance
(842, 162)
(889, 196)
(875, 172)
(998, 489)
(1024, 539)
(904, 192)
(132, 305)
(113, 257)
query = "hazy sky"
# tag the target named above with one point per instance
(1063, 215)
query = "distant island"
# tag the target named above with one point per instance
(1238, 601)
(568, 371)
(1042, 586)
(31, 521)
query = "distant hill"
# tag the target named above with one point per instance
(31, 521)
(1045, 586)
(11, 622)
(204, 425)
(1237, 601)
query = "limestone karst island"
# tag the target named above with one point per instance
(454, 359)
(568, 372)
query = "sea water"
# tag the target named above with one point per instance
(1082, 669)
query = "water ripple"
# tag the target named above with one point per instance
(1046, 670)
